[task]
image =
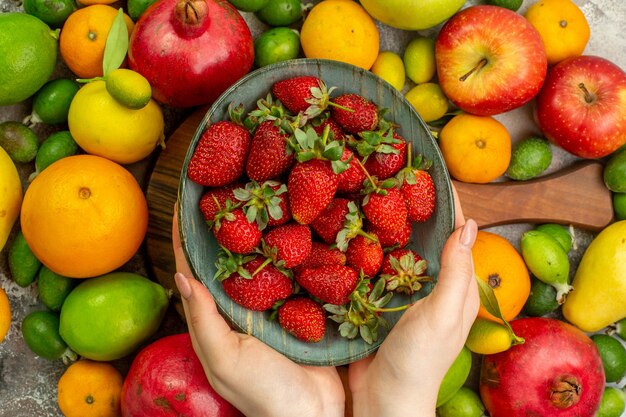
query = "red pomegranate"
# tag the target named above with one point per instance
(190, 50)
(166, 379)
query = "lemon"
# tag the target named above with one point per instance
(103, 127)
(419, 60)
(389, 67)
(428, 100)
(129, 88)
(487, 337)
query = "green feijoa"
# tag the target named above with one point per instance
(249, 5)
(547, 260)
(23, 263)
(455, 377)
(52, 12)
(57, 146)
(40, 330)
(19, 141)
(619, 205)
(613, 403)
(615, 172)
(280, 12)
(51, 103)
(276, 45)
(541, 300)
(508, 4)
(464, 403)
(530, 157)
(613, 355)
(620, 329)
(53, 288)
(137, 7)
(559, 232)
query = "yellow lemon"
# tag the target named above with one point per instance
(389, 67)
(102, 126)
(487, 337)
(428, 100)
(419, 60)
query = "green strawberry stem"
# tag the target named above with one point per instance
(339, 106)
(263, 265)
(375, 309)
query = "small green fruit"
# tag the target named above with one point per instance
(541, 300)
(129, 88)
(613, 355)
(613, 403)
(559, 232)
(19, 141)
(615, 172)
(419, 60)
(455, 377)
(508, 4)
(529, 158)
(619, 206)
(40, 330)
(465, 403)
(23, 263)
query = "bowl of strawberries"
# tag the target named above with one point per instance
(314, 205)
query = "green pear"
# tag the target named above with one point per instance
(600, 282)
(412, 14)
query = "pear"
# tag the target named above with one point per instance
(599, 296)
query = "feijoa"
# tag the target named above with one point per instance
(615, 172)
(19, 141)
(57, 146)
(23, 263)
(559, 232)
(541, 300)
(40, 330)
(529, 158)
(53, 288)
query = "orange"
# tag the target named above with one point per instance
(90, 2)
(498, 263)
(5, 314)
(476, 148)
(562, 27)
(90, 388)
(83, 38)
(342, 31)
(84, 216)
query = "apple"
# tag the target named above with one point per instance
(489, 60)
(412, 14)
(582, 106)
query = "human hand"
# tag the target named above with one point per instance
(404, 376)
(250, 375)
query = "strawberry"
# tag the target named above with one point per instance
(311, 185)
(234, 232)
(385, 207)
(386, 162)
(396, 239)
(336, 132)
(351, 180)
(330, 283)
(290, 243)
(270, 154)
(362, 116)
(219, 155)
(303, 318)
(403, 271)
(418, 189)
(267, 203)
(365, 255)
(305, 94)
(261, 290)
(388, 268)
(331, 220)
(214, 199)
(321, 254)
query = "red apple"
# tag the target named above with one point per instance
(582, 106)
(490, 60)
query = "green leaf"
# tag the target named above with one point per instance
(116, 44)
(490, 302)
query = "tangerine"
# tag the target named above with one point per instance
(84, 216)
(497, 262)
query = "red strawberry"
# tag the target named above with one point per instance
(350, 180)
(403, 271)
(387, 267)
(330, 283)
(364, 255)
(385, 209)
(208, 205)
(220, 154)
(234, 232)
(389, 239)
(263, 290)
(364, 114)
(385, 165)
(270, 154)
(418, 189)
(320, 255)
(331, 220)
(335, 129)
(311, 185)
(303, 318)
(267, 204)
(305, 94)
(292, 243)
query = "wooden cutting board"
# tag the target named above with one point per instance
(576, 195)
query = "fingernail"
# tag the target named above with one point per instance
(468, 234)
(182, 282)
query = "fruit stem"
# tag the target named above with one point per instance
(478, 67)
(561, 292)
(369, 236)
(565, 391)
(589, 98)
(263, 265)
(191, 17)
(339, 106)
(68, 356)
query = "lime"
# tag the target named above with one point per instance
(280, 12)
(613, 355)
(529, 158)
(389, 67)
(541, 300)
(455, 377)
(129, 88)
(19, 141)
(615, 172)
(487, 337)
(276, 45)
(52, 102)
(419, 60)
(465, 403)
(53, 288)
(29, 55)
(508, 4)
(559, 232)
(23, 263)
(249, 5)
(52, 12)
(613, 403)
(619, 206)
(137, 7)
(428, 100)
(58, 145)
(41, 333)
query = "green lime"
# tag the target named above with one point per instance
(23, 263)
(615, 172)
(613, 403)
(280, 12)
(619, 206)
(137, 7)
(29, 55)
(51, 103)
(509, 4)
(249, 5)
(276, 45)
(559, 232)
(19, 141)
(58, 145)
(455, 377)
(53, 288)
(40, 330)
(613, 355)
(52, 12)
(541, 300)
(529, 158)
(428, 100)
(419, 60)
(464, 403)
(129, 88)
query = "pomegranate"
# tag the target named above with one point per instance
(556, 372)
(190, 50)
(166, 379)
